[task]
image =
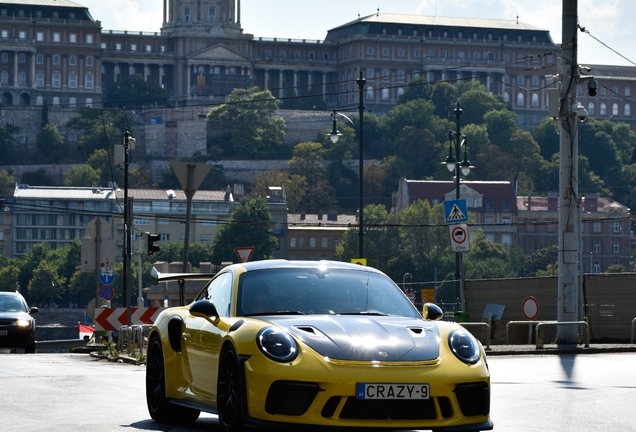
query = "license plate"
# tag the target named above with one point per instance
(392, 391)
(3, 332)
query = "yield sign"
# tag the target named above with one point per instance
(244, 253)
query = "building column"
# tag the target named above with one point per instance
(280, 83)
(33, 56)
(266, 79)
(15, 68)
(324, 86)
(295, 83)
(146, 72)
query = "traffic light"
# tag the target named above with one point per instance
(152, 238)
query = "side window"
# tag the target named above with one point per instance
(219, 292)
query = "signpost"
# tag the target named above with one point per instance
(244, 253)
(459, 238)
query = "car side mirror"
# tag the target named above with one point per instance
(34, 310)
(430, 311)
(204, 308)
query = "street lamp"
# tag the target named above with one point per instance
(335, 135)
(129, 144)
(463, 167)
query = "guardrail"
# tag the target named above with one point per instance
(482, 324)
(633, 324)
(540, 324)
(586, 332)
(60, 343)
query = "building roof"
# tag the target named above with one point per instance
(62, 193)
(445, 21)
(589, 204)
(52, 3)
(171, 194)
(495, 191)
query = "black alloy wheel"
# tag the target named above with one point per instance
(158, 406)
(229, 392)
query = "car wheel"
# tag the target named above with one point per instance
(229, 392)
(158, 406)
(30, 348)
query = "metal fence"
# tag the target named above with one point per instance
(609, 305)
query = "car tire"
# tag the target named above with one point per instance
(30, 348)
(158, 406)
(230, 392)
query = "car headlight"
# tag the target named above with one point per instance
(276, 344)
(464, 346)
(23, 322)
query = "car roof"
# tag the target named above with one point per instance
(280, 264)
(10, 293)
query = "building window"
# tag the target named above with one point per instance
(385, 94)
(56, 80)
(590, 108)
(520, 99)
(211, 14)
(336, 242)
(597, 227)
(56, 100)
(597, 246)
(186, 14)
(324, 242)
(616, 227)
(369, 73)
(535, 81)
(628, 110)
(490, 205)
(89, 38)
(302, 242)
(520, 80)
(603, 109)
(505, 220)
(535, 99)
(312, 242)
(385, 73)
(617, 246)
(416, 53)
(22, 78)
(72, 102)
(39, 79)
(506, 239)
(505, 205)
(5, 34)
(88, 82)
(56, 59)
(72, 38)
(56, 37)
(400, 53)
(148, 48)
(72, 80)
(118, 47)
(615, 109)
(89, 102)
(72, 60)
(133, 47)
(369, 50)
(385, 52)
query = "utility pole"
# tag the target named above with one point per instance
(569, 278)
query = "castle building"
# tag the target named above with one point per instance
(55, 52)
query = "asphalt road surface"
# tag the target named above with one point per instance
(552, 393)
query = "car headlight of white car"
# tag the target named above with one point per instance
(23, 322)
(277, 344)
(464, 346)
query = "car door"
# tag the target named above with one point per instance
(203, 338)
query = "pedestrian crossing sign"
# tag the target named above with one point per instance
(455, 211)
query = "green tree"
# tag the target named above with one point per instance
(546, 134)
(475, 104)
(101, 161)
(248, 123)
(418, 88)
(38, 177)
(82, 176)
(100, 129)
(7, 183)
(135, 92)
(82, 287)
(7, 140)
(10, 278)
(250, 225)
(294, 184)
(308, 161)
(50, 142)
(540, 260)
(46, 285)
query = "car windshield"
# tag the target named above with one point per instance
(11, 304)
(320, 291)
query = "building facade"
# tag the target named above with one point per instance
(316, 236)
(54, 52)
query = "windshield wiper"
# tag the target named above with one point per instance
(275, 313)
(371, 313)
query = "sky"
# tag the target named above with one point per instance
(612, 22)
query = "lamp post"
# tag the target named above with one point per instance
(457, 140)
(129, 144)
(335, 135)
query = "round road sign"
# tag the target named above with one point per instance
(530, 308)
(459, 234)
(106, 292)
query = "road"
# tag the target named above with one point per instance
(552, 393)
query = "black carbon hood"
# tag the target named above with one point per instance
(364, 338)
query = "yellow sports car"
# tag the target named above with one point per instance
(303, 343)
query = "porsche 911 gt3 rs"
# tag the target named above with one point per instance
(303, 343)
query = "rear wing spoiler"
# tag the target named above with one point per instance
(156, 276)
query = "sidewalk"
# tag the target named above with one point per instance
(498, 350)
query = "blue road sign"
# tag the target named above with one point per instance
(106, 292)
(455, 211)
(107, 278)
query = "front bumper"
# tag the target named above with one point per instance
(16, 337)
